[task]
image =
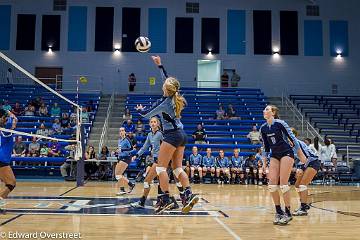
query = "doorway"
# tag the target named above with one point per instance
(208, 74)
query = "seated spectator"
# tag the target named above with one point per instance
(220, 113)
(199, 135)
(254, 136)
(56, 127)
(236, 166)
(208, 163)
(140, 128)
(68, 169)
(222, 166)
(65, 121)
(44, 151)
(54, 149)
(127, 115)
(43, 111)
(90, 106)
(30, 110)
(6, 106)
(90, 167)
(19, 149)
(129, 126)
(73, 114)
(195, 161)
(104, 167)
(55, 111)
(43, 131)
(18, 110)
(34, 148)
(36, 102)
(231, 113)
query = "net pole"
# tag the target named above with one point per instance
(80, 170)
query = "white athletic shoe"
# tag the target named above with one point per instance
(281, 219)
(137, 205)
(121, 192)
(300, 212)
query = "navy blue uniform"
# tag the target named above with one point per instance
(312, 159)
(276, 138)
(172, 126)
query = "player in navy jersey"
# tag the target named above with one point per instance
(236, 164)
(278, 138)
(222, 166)
(304, 175)
(169, 108)
(208, 162)
(8, 121)
(195, 160)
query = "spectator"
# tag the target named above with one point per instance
(127, 115)
(195, 161)
(36, 102)
(18, 110)
(140, 128)
(90, 167)
(43, 131)
(129, 127)
(328, 153)
(65, 121)
(54, 149)
(254, 136)
(208, 163)
(19, 149)
(56, 127)
(6, 106)
(55, 111)
(132, 82)
(231, 113)
(89, 106)
(9, 76)
(34, 148)
(223, 166)
(85, 115)
(250, 165)
(69, 166)
(30, 110)
(235, 79)
(43, 111)
(44, 151)
(220, 113)
(224, 80)
(199, 135)
(104, 167)
(316, 146)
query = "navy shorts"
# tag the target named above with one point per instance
(315, 165)
(279, 156)
(176, 138)
(4, 164)
(126, 160)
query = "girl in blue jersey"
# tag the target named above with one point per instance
(8, 121)
(222, 166)
(304, 175)
(195, 162)
(236, 164)
(169, 108)
(125, 149)
(209, 164)
(278, 138)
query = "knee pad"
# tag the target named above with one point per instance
(178, 184)
(284, 188)
(146, 185)
(273, 188)
(302, 188)
(119, 177)
(178, 171)
(160, 170)
(10, 187)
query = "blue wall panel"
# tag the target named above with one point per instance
(313, 38)
(157, 29)
(236, 29)
(77, 28)
(5, 25)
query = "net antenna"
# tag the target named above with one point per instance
(78, 151)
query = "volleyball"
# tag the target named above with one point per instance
(142, 44)
(83, 80)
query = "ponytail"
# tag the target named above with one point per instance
(179, 102)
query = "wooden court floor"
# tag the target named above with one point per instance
(224, 212)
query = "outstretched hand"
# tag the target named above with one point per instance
(156, 59)
(139, 107)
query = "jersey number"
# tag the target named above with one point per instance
(273, 140)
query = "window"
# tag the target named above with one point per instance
(312, 10)
(59, 5)
(192, 7)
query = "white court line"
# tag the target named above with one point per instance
(231, 232)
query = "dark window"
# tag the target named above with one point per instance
(262, 32)
(60, 5)
(104, 29)
(25, 34)
(184, 35)
(192, 7)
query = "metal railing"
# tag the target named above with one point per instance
(104, 133)
(299, 117)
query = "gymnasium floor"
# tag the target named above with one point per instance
(225, 212)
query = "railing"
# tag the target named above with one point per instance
(299, 117)
(349, 148)
(78, 83)
(104, 133)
